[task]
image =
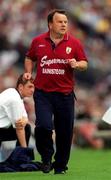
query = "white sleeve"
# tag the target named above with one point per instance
(107, 116)
(16, 110)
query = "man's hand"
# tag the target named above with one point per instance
(79, 65)
(21, 123)
(73, 63)
(27, 75)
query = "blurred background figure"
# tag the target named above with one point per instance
(21, 20)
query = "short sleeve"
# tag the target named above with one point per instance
(80, 52)
(31, 53)
(16, 111)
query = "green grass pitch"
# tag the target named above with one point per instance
(85, 164)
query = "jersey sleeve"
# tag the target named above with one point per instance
(16, 111)
(31, 52)
(80, 52)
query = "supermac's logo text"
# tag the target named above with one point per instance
(48, 62)
(45, 61)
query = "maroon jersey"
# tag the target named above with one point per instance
(53, 71)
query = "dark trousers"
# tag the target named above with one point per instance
(10, 134)
(54, 111)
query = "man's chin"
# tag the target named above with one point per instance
(28, 96)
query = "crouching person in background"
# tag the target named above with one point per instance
(14, 123)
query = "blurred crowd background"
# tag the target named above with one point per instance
(21, 20)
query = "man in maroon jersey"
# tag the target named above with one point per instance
(57, 54)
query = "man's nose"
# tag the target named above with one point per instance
(64, 23)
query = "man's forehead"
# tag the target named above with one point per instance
(30, 83)
(56, 15)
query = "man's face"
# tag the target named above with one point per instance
(27, 90)
(59, 25)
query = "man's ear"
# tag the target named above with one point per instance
(20, 87)
(50, 25)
